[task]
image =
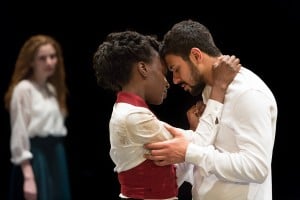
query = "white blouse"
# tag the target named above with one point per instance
(33, 112)
(131, 127)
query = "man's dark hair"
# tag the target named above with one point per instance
(186, 35)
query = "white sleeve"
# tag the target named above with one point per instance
(144, 127)
(19, 118)
(184, 172)
(254, 118)
(207, 128)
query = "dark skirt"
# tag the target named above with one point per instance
(50, 169)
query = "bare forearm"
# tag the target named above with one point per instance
(27, 170)
(218, 93)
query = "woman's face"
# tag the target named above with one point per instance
(157, 83)
(44, 62)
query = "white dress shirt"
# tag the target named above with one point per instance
(238, 163)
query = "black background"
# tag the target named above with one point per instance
(264, 35)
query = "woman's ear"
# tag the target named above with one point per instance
(142, 69)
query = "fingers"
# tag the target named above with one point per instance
(192, 110)
(158, 160)
(232, 61)
(162, 163)
(221, 59)
(153, 146)
(199, 108)
(167, 125)
(174, 131)
(154, 157)
(196, 109)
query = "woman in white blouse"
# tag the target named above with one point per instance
(36, 100)
(129, 64)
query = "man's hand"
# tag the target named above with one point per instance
(170, 151)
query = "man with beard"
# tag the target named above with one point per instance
(237, 163)
(128, 63)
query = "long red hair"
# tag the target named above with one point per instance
(23, 69)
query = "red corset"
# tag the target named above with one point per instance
(149, 181)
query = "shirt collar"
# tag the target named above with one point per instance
(131, 98)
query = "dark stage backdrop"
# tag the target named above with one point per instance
(264, 37)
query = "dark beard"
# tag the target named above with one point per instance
(197, 89)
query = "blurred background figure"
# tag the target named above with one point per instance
(36, 101)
